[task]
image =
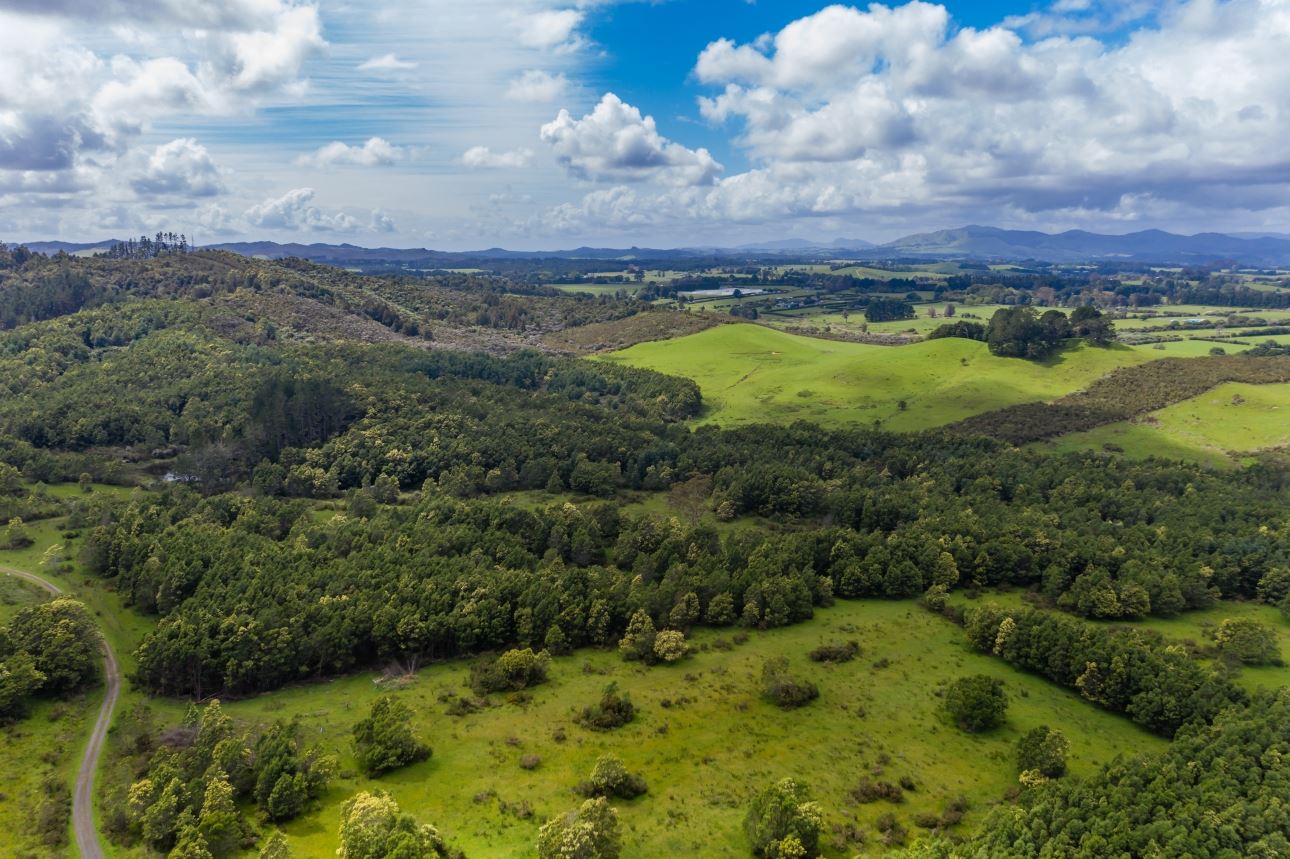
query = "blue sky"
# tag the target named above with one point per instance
(553, 123)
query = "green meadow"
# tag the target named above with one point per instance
(1211, 428)
(751, 373)
(703, 738)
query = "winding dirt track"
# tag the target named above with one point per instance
(87, 840)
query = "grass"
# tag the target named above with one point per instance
(1211, 428)
(752, 374)
(700, 776)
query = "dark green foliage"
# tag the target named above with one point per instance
(287, 776)
(63, 642)
(1216, 791)
(1247, 641)
(962, 328)
(1042, 750)
(976, 703)
(614, 710)
(836, 652)
(783, 689)
(1020, 332)
(1124, 670)
(783, 822)
(888, 310)
(384, 740)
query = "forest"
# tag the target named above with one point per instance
(413, 477)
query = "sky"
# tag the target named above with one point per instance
(558, 123)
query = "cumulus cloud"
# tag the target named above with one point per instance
(387, 63)
(376, 152)
(536, 85)
(615, 142)
(482, 156)
(551, 30)
(180, 167)
(895, 112)
(295, 210)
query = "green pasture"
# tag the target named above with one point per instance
(1211, 428)
(703, 739)
(751, 373)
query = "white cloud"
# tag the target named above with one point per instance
(295, 210)
(387, 63)
(181, 167)
(482, 156)
(536, 85)
(615, 142)
(376, 152)
(551, 30)
(895, 113)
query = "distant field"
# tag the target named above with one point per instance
(699, 780)
(750, 374)
(1229, 419)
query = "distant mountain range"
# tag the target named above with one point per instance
(971, 242)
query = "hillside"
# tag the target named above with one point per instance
(750, 374)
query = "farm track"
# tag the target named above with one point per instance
(87, 841)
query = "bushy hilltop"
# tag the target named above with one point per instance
(303, 299)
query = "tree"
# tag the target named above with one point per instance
(220, 824)
(670, 646)
(638, 641)
(685, 613)
(276, 847)
(384, 740)
(1248, 641)
(63, 642)
(19, 680)
(590, 832)
(372, 827)
(1042, 750)
(783, 822)
(888, 310)
(976, 703)
(610, 778)
(15, 535)
(1092, 325)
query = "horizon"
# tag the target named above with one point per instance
(537, 124)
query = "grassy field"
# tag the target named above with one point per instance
(881, 722)
(750, 373)
(1231, 419)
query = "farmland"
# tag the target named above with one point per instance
(750, 373)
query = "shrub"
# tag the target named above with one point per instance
(868, 791)
(1042, 750)
(784, 690)
(976, 703)
(783, 822)
(613, 711)
(384, 740)
(530, 762)
(1247, 641)
(610, 778)
(372, 827)
(836, 652)
(670, 645)
(15, 535)
(513, 670)
(590, 832)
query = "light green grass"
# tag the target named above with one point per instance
(1228, 420)
(752, 374)
(703, 758)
